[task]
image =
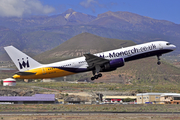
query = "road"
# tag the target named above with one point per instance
(84, 113)
(90, 115)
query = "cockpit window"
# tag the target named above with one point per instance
(168, 43)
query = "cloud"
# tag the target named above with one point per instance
(90, 4)
(94, 4)
(20, 8)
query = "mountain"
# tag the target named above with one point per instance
(37, 34)
(40, 41)
(19, 23)
(136, 36)
(124, 21)
(32, 43)
(9, 37)
(134, 22)
(75, 18)
(81, 44)
(140, 25)
(69, 17)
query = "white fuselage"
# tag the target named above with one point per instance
(127, 52)
(77, 65)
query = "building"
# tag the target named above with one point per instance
(9, 82)
(118, 99)
(35, 99)
(170, 98)
(148, 98)
(73, 100)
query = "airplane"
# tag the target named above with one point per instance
(97, 63)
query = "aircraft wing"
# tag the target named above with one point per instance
(93, 60)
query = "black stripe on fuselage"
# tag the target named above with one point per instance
(147, 54)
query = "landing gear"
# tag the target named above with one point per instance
(96, 76)
(159, 62)
(96, 73)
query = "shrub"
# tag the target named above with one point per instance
(128, 100)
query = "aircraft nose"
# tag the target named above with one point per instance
(173, 47)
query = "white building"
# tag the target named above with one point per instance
(158, 98)
(170, 98)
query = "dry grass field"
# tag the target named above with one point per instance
(89, 108)
(91, 116)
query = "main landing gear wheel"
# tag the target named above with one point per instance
(99, 75)
(96, 76)
(92, 78)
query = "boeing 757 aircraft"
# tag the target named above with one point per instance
(97, 63)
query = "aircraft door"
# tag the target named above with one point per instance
(160, 46)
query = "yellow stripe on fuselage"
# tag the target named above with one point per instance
(42, 73)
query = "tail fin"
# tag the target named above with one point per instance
(22, 61)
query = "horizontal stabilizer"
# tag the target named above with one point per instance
(25, 73)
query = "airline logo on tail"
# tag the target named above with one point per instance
(23, 64)
(22, 61)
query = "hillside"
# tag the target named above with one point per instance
(40, 41)
(81, 44)
(143, 71)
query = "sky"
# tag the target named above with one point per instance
(157, 9)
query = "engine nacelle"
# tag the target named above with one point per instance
(117, 63)
(113, 64)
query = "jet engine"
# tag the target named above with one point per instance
(113, 64)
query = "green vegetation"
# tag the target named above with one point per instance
(95, 87)
(139, 76)
(136, 76)
(128, 100)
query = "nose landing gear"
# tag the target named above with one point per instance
(158, 57)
